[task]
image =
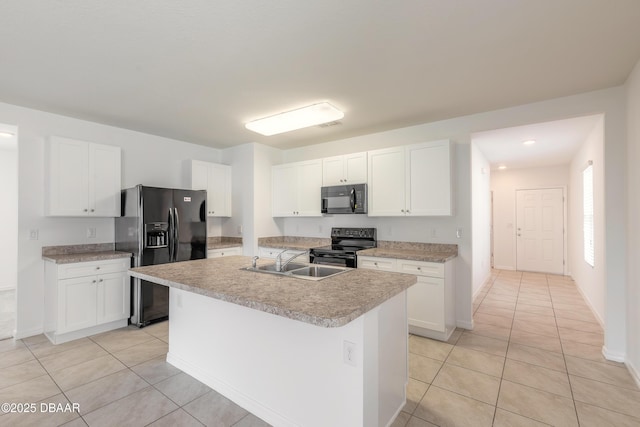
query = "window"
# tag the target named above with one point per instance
(587, 207)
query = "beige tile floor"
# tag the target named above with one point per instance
(533, 359)
(117, 378)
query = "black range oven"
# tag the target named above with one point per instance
(345, 242)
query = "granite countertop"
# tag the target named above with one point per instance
(82, 253)
(429, 252)
(293, 242)
(221, 242)
(331, 302)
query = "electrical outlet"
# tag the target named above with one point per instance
(91, 232)
(349, 353)
(434, 232)
(240, 229)
(459, 233)
(33, 234)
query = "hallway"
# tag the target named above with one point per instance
(533, 359)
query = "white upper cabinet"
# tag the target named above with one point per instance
(83, 178)
(347, 169)
(216, 179)
(387, 182)
(429, 179)
(412, 180)
(295, 189)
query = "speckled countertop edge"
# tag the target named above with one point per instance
(408, 254)
(428, 252)
(332, 302)
(67, 254)
(85, 257)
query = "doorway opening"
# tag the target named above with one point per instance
(8, 229)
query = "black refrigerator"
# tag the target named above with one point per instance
(159, 225)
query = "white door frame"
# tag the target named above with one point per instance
(565, 267)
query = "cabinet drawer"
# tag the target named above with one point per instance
(217, 253)
(374, 263)
(82, 269)
(421, 268)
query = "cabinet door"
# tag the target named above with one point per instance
(219, 190)
(112, 297)
(104, 180)
(309, 184)
(333, 171)
(200, 176)
(284, 190)
(387, 182)
(68, 177)
(355, 168)
(425, 303)
(76, 303)
(429, 179)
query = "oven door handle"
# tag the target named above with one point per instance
(352, 199)
(334, 256)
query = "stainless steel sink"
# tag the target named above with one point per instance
(271, 268)
(317, 271)
(300, 271)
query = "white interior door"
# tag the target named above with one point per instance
(540, 230)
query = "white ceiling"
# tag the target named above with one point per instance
(197, 70)
(556, 143)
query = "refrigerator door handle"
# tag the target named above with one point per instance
(176, 238)
(171, 234)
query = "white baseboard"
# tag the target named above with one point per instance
(612, 355)
(595, 313)
(634, 372)
(504, 267)
(464, 324)
(28, 333)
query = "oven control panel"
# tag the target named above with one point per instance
(361, 233)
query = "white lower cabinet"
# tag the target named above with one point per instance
(85, 298)
(217, 253)
(430, 302)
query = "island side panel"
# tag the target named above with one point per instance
(386, 361)
(287, 372)
(292, 373)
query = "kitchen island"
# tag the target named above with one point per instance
(294, 352)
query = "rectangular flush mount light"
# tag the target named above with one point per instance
(312, 115)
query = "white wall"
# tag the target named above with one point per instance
(480, 218)
(9, 208)
(611, 102)
(504, 184)
(633, 223)
(146, 159)
(590, 280)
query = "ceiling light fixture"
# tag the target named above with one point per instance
(311, 115)
(5, 134)
(501, 167)
(529, 142)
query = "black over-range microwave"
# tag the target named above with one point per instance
(344, 199)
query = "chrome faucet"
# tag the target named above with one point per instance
(253, 261)
(280, 265)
